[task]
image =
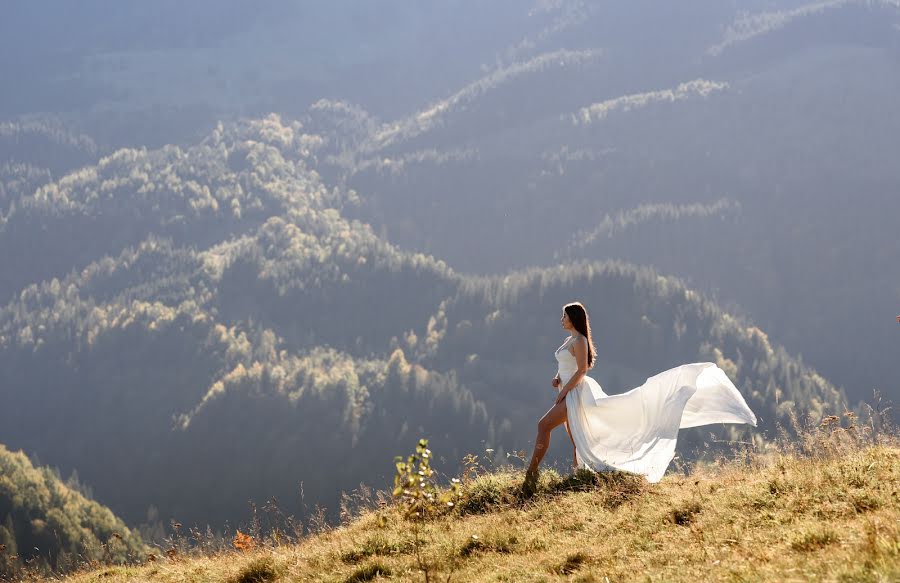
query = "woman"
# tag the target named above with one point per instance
(634, 431)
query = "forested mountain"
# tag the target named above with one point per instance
(48, 524)
(33, 153)
(257, 252)
(750, 153)
(210, 328)
(746, 147)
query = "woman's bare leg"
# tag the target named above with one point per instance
(574, 449)
(555, 417)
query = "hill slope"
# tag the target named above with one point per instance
(831, 517)
(47, 524)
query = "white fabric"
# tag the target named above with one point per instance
(636, 431)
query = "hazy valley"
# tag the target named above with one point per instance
(243, 258)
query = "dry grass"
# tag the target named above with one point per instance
(824, 509)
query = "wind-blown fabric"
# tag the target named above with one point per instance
(637, 431)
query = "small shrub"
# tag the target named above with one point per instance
(414, 488)
(418, 497)
(368, 572)
(261, 570)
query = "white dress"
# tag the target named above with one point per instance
(636, 431)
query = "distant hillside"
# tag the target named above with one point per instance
(830, 517)
(760, 141)
(47, 525)
(205, 326)
(747, 148)
(496, 331)
(34, 152)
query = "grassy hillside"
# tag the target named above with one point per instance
(826, 509)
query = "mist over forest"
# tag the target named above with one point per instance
(248, 247)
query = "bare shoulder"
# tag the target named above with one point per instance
(579, 340)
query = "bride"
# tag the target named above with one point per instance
(635, 431)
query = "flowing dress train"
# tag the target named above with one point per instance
(636, 431)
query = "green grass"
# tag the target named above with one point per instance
(825, 515)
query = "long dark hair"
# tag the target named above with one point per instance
(578, 316)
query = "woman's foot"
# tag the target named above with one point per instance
(529, 486)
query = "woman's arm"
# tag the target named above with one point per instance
(581, 353)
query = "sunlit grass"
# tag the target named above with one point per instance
(824, 509)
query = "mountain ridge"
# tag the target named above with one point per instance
(201, 342)
(47, 525)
